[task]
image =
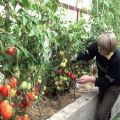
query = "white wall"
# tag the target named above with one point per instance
(71, 15)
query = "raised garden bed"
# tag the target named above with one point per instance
(49, 106)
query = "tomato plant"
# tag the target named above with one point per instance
(31, 67)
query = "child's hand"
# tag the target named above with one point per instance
(85, 79)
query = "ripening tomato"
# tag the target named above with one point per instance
(11, 50)
(5, 90)
(19, 118)
(25, 117)
(13, 82)
(6, 112)
(12, 92)
(31, 96)
(3, 104)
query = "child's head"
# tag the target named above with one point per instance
(106, 43)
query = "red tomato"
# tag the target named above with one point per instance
(21, 105)
(13, 104)
(68, 74)
(6, 112)
(26, 102)
(59, 71)
(31, 96)
(5, 90)
(11, 50)
(1, 86)
(0, 101)
(19, 93)
(13, 82)
(71, 75)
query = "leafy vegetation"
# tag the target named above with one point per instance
(36, 45)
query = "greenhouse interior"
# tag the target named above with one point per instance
(59, 60)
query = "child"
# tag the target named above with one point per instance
(108, 64)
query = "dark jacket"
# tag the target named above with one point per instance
(108, 70)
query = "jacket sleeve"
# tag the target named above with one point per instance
(102, 82)
(89, 53)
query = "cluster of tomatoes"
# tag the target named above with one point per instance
(63, 78)
(69, 74)
(6, 108)
(17, 97)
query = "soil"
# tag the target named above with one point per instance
(50, 106)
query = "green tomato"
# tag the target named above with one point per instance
(43, 93)
(44, 88)
(65, 60)
(61, 53)
(60, 82)
(24, 85)
(58, 88)
(29, 86)
(56, 83)
(17, 74)
(62, 64)
(39, 81)
(36, 97)
(64, 78)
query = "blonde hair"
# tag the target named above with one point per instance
(107, 41)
